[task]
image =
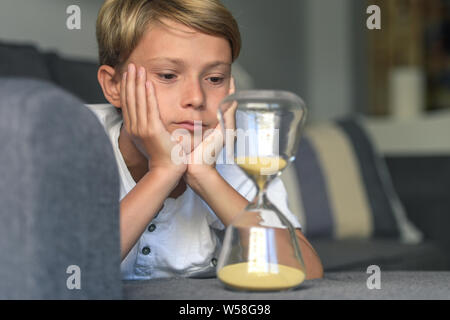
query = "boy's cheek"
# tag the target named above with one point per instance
(166, 118)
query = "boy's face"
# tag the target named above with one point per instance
(191, 72)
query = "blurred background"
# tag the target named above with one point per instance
(319, 49)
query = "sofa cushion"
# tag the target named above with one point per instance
(345, 190)
(388, 254)
(77, 77)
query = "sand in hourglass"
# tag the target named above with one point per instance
(261, 168)
(241, 276)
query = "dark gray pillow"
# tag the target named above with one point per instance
(76, 76)
(423, 183)
(22, 60)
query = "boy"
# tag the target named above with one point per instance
(164, 65)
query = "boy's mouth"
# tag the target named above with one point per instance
(192, 125)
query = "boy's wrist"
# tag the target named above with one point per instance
(175, 171)
(200, 178)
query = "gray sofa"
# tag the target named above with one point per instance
(59, 216)
(59, 194)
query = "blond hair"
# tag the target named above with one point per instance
(122, 23)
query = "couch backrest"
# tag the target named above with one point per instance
(417, 153)
(76, 76)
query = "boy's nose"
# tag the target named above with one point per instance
(193, 95)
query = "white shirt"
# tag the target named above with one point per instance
(184, 239)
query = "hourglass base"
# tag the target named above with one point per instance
(277, 277)
(261, 251)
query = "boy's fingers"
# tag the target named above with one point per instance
(153, 108)
(123, 100)
(230, 117)
(232, 86)
(229, 114)
(141, 100)
(131, 91)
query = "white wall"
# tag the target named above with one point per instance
(43, 22)
(425, 135)
(328, 58)
(271, 42)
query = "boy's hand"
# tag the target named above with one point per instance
(202, 159)
(143, 123)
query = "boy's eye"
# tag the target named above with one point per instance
(216, 80)
(171, 76)
(167, 76)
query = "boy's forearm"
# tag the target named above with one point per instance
(222, 198)
(313, 265)
(142, 204)
(230, 202)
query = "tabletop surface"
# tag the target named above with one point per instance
(334, 285)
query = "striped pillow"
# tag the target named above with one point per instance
(345, 190)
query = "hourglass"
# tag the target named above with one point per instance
(261, 250)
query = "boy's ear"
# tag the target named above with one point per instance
(106, 77)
